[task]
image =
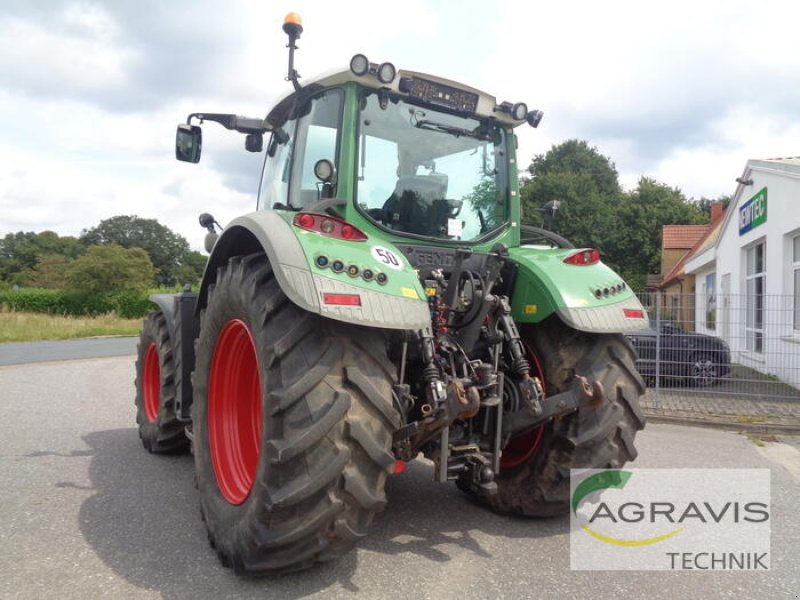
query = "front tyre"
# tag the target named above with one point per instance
(590, 438)
(293, 425)
(159, 427)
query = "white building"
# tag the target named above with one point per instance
(748, 280)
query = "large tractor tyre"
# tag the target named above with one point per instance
(590, 438)
(159, 427)
(293, 421)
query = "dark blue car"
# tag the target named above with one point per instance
(691, 358)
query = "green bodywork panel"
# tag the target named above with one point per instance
(545, 284)
(402, 279)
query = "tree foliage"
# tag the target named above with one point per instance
(584, 182)
(594, 211)
(167, 250)
(577, 156)
(110, 267)
(20, 252)
(191, 269)
(50, 272)
(643, 212)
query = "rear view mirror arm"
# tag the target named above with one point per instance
(232, 122)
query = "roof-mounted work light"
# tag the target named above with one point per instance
(534, 118)
(359, 65)
(385, 72)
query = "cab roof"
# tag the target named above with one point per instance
(486, 105)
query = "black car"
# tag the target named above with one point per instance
(692, 358)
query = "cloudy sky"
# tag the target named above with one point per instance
(91, 91)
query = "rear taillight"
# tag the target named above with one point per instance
(330, 226)
(583, 257)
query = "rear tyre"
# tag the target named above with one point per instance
(293, 423)
(588, 438)
(159, 427)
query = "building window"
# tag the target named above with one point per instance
(755, 280)
(711, 300)
(796, 277)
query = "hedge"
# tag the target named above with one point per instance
(128, 305)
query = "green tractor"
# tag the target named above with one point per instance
(383, 301)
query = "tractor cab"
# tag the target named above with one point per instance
(413, 155)
(397, 163)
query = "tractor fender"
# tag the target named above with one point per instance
(183, 327)
(590, 298)
(267, 231)
(166, 304)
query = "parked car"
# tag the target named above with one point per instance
(691, 358)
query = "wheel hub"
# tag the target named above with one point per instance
(234, 412)
(521, 447)
(152, 383)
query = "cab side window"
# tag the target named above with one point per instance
(317, 139)
(274, 189)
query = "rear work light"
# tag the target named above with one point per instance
(330, 226)
(583, 257)
(342, 299)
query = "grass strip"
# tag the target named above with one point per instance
(33, 327)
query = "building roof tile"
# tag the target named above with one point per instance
(682, 237)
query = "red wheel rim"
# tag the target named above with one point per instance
(521, 447)
(234, 412)
(152, 383)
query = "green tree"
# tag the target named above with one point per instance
(50, 272)
(577, 156)
(166, 249)
(191, 269)
(704, 204)
(594, 212)
(643, 212)
(20, 251)
(110, 268)
(584, 182)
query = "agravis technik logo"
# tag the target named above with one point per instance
(644, 519)
(602, 481)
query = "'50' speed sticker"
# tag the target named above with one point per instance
(387, 258)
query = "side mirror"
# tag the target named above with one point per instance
(254, 142)
(188, 143)
(551, 208)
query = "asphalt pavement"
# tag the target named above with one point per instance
(87, 513)
(28, 352)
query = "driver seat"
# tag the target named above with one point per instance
(408, 208)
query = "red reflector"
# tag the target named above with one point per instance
(342, 299)
(583, 257)
(633, 313)
(399, 466)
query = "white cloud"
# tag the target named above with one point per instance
(81, 58)
(685, 91)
